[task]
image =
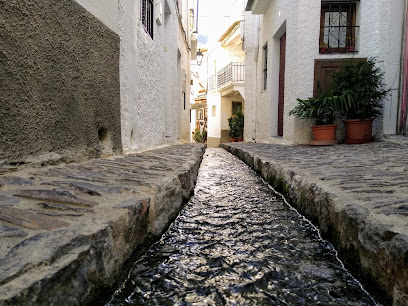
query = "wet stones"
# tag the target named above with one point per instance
(357, 195)
(73, 226)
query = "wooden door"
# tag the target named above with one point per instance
(281, 83)
(324, 70)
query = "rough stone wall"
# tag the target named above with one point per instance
(379, 36)
(59, 81)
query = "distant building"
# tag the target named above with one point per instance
(284, 61)
(226, 83)
(85, 78)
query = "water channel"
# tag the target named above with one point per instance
(238, 243)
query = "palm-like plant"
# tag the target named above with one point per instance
(324, 108)
(362, 83)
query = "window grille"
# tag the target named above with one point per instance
(146, 15)
(338, 29)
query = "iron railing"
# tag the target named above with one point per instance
(233, 72)
(339, 38)
(338, 32)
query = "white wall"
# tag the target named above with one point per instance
(214, 122)
(380, 28)
(104, 10)
(154, 73)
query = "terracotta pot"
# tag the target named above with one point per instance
(234, 139)
(324, 135)
(324, 132)
(358, 131)
(240, 138)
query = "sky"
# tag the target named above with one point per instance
(215, 16)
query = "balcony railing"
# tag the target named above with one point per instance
(233, 72)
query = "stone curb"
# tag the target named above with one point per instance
(375, 254)
(69, 261)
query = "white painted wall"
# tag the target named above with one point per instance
(154, 73)
(105, 10)
(220, 57)
(214, 122)
(380, 28)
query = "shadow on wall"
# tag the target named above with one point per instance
(60, 86)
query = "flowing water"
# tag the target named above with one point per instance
(238, 243)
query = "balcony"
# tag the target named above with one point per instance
(230, 74)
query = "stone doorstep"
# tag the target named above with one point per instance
(378, 238)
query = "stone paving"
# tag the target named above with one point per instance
(69, 228)
(356, 194)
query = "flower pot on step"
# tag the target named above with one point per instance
(358, 131)
(324, 135)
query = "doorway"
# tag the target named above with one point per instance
(281, 99)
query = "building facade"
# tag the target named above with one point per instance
(285, 61)
(226, 83)
(87, 78)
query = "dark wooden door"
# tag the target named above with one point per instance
(281, 83)
(324, 70)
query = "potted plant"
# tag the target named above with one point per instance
(200, 137)
(350, 44)
(323, 47)
(323, 109)
(236, 124)
(361, 82)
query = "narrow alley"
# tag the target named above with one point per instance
(237, 242)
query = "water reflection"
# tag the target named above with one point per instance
(238, 243)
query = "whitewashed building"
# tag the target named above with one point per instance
(226, 83)
(90, 78)
(283, 60)
(155, 69)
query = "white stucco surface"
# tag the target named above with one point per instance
(219, 57)
(154, 74)
(105, 10)
(379, 36)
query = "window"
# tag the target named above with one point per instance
(236, 105)
(265, 66)
(146, 15)
(338, 29)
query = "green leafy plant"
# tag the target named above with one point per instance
(236, 123)
(324, 109)
(199, 137)
(362, 83)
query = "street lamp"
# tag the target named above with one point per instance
(199, 57)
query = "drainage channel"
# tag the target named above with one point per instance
(237, 242)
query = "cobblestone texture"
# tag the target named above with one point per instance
(356, 194)
(70, 228)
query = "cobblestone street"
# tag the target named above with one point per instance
(72, 226)
(356, 194)
(80, 219)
